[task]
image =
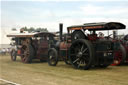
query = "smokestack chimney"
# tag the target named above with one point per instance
(61, 30)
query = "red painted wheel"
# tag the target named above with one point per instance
(27, 53)
(119, 56)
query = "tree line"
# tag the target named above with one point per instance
(32, 29)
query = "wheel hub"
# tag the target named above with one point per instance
(50, 57)
(79, 54)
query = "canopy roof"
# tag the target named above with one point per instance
(98, 26)
(39, 34)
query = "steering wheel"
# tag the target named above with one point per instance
(108, 37)
(101, 34)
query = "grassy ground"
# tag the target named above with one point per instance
(41, 74)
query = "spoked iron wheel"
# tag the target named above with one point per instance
(119, 56)
(52, 57)
(27, 53)
(81, 54)
(13, 55)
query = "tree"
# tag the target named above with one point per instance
(45, 29)
(38, 29)
(41, 30)
(31, 29)
(13, 29)
(25, 28)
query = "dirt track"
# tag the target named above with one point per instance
(41, 74)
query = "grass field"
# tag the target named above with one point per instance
(41, 74)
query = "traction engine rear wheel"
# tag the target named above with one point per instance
(119, 56)
(13, 55)
(27, 53)
(52, 57)
(81, 54)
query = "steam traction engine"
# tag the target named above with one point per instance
(31, 46)
(84, 50)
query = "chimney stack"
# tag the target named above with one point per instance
(61, 30)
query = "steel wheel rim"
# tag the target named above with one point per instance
(25, 53)
(118, 58)
(52, 57)
(80, 57)
(13, 55)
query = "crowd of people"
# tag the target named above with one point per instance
(4, 51)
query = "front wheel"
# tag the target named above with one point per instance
(13, 55)
(52, 57)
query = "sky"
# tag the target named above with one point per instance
(49, 13)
